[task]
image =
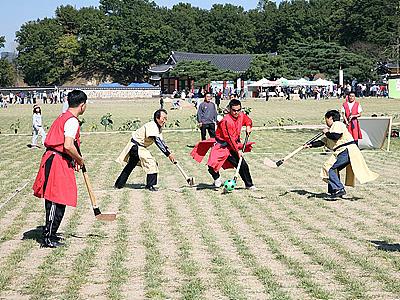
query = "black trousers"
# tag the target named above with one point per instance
(54, 215)
(211, 130)
(54, 211)
(132, 163)
(244, 170)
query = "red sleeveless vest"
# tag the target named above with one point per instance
(59, 185)
(354, 126)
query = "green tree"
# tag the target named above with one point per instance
(314, 57)
(267, 66)
(138, 37)
(7, 69)
(230, 30)
(37, 58)
(188, 24)
(264, 21)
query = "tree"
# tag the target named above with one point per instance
(314, 57)
(265, 21)
(7, 70)
(37, 59)
(203, 72)
(7, 73)
(230, 30)
(138, 37)
(188, 24)
(267, 66)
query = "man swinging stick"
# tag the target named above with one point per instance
(55, 181)
(225, 151)
(346, 154)
(135, 152)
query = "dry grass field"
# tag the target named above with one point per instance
(283, 241)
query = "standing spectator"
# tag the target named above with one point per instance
(218, 97)
(207, 116)
(44, 97)
(351, 111)
(37, 126)
(11, 97)
(161, 102)
(22, 96)
(183, 96)
(29, 98)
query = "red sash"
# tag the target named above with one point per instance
(354, 126)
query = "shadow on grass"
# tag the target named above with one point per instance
(318, 195)
(382, 245)
(206, 186)
(135, 186)
(36, 235)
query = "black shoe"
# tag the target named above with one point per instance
(56, 238)
(340, 193)
(335, 195)
(152, 188)
(48, 243)
(118, 186)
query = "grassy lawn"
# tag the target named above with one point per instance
(283, 241)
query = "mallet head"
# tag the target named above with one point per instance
(190, 181)
(270, 163)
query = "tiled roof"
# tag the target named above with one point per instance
(392, 65)
(233, 62)
(160, 68)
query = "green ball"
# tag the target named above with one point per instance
(229, 185)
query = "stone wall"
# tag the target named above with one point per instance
(118, 93)
(94, 93)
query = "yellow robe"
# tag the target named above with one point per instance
(357, 167)
(143, 136)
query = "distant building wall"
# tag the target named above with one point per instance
(118, 93)
(96, 92)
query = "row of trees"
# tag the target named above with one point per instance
(122, 38)
(7, 70)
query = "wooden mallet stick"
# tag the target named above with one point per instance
(272, 164)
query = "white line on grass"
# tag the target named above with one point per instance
(15, 194)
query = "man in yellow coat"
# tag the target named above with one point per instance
(136, 153)
(346, 154)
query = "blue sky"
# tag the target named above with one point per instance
(17, 12)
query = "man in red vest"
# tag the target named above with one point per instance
(225, 148)
(351, 111)
(55, 181)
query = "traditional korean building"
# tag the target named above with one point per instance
(238, 63)
(393, 70)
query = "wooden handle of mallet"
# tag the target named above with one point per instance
(290, 155)
(92, 197)
(181, 170)
(90, 191)
(241, 157)
(190, 180)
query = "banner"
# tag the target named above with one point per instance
(394, 88)
(374, 130)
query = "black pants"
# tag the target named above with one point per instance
(244, 170)
(211, 130)
(54, 215)
(133, 161)
(54, 211)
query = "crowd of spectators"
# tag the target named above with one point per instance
(32, 97)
